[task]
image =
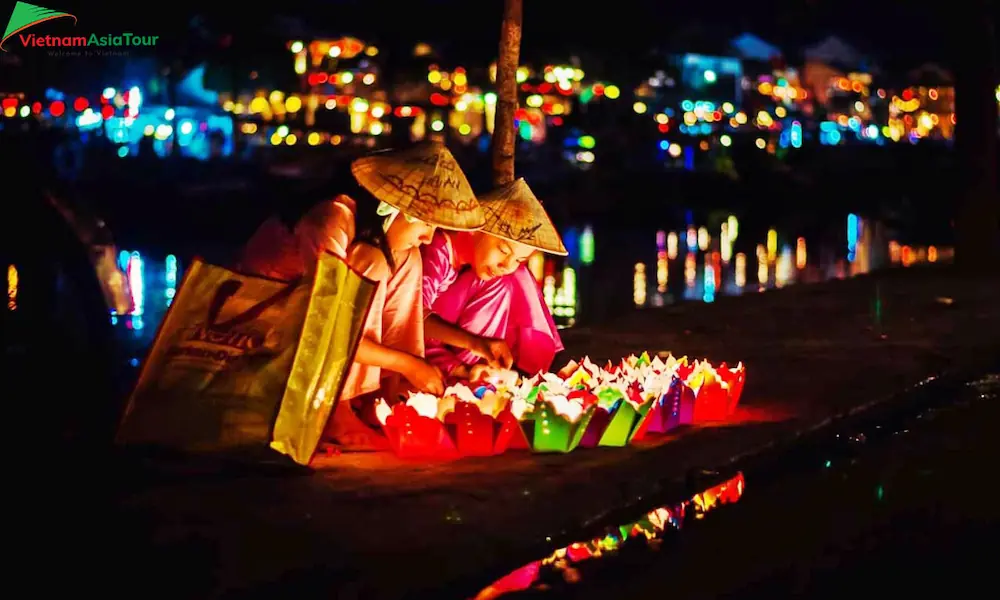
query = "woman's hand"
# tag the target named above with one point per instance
(459, 371)
(425, 376)
(496, 352)
(481, 372)
(473, 373)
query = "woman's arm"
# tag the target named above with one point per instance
(436, 328)
(439, 335)
(438, 332)
(424, 376)
(374, 354)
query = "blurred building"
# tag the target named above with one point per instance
(926, 108)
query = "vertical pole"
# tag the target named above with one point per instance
(508, 60)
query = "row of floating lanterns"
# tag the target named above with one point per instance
(583, 405)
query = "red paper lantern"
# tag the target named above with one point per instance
(477, 434)
(466, 431)
(413, 436)
(471, 430)
(734, 378)
(711, 401)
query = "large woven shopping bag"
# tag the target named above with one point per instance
(243, 361)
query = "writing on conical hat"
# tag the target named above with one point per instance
(513, 212)
(425, 182)
(433, 189)
(514, 221)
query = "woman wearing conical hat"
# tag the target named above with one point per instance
(485, 309)
(403, 197)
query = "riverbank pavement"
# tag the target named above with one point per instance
(373, 526)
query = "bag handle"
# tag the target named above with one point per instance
(228, 289)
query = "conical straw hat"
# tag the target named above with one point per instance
(424, 182)
(514, 213)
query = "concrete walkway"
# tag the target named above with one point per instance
(373, 526)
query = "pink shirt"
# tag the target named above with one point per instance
(396, 316)
(439, 268)
(510, 308)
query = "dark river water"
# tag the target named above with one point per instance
(606, 275)
(879, 504)
(608, 271)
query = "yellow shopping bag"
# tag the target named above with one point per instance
(244, 361)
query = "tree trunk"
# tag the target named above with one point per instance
(508, 60)
(977, 222)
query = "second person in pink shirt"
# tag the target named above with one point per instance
(484, 308)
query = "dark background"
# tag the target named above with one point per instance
(892, 31)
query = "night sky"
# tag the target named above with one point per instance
(893, 29)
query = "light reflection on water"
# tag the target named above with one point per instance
(563, 563)
(12, 287)
(152, 285)
(689, 264)
(693, 264)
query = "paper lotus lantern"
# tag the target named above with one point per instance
(734, 378)
(457, 424)
(711, 393)
(551, 385)
(413, 429)
(579, 379)
(504, 379)
(580, 372)
(557, 423)
(715, 391)
(614, 420)
(475, 433)
(585, 375)
(671, 410)
(654, 384)
(554, 384)
(486, 421)
(684, 368)
(638, 361)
